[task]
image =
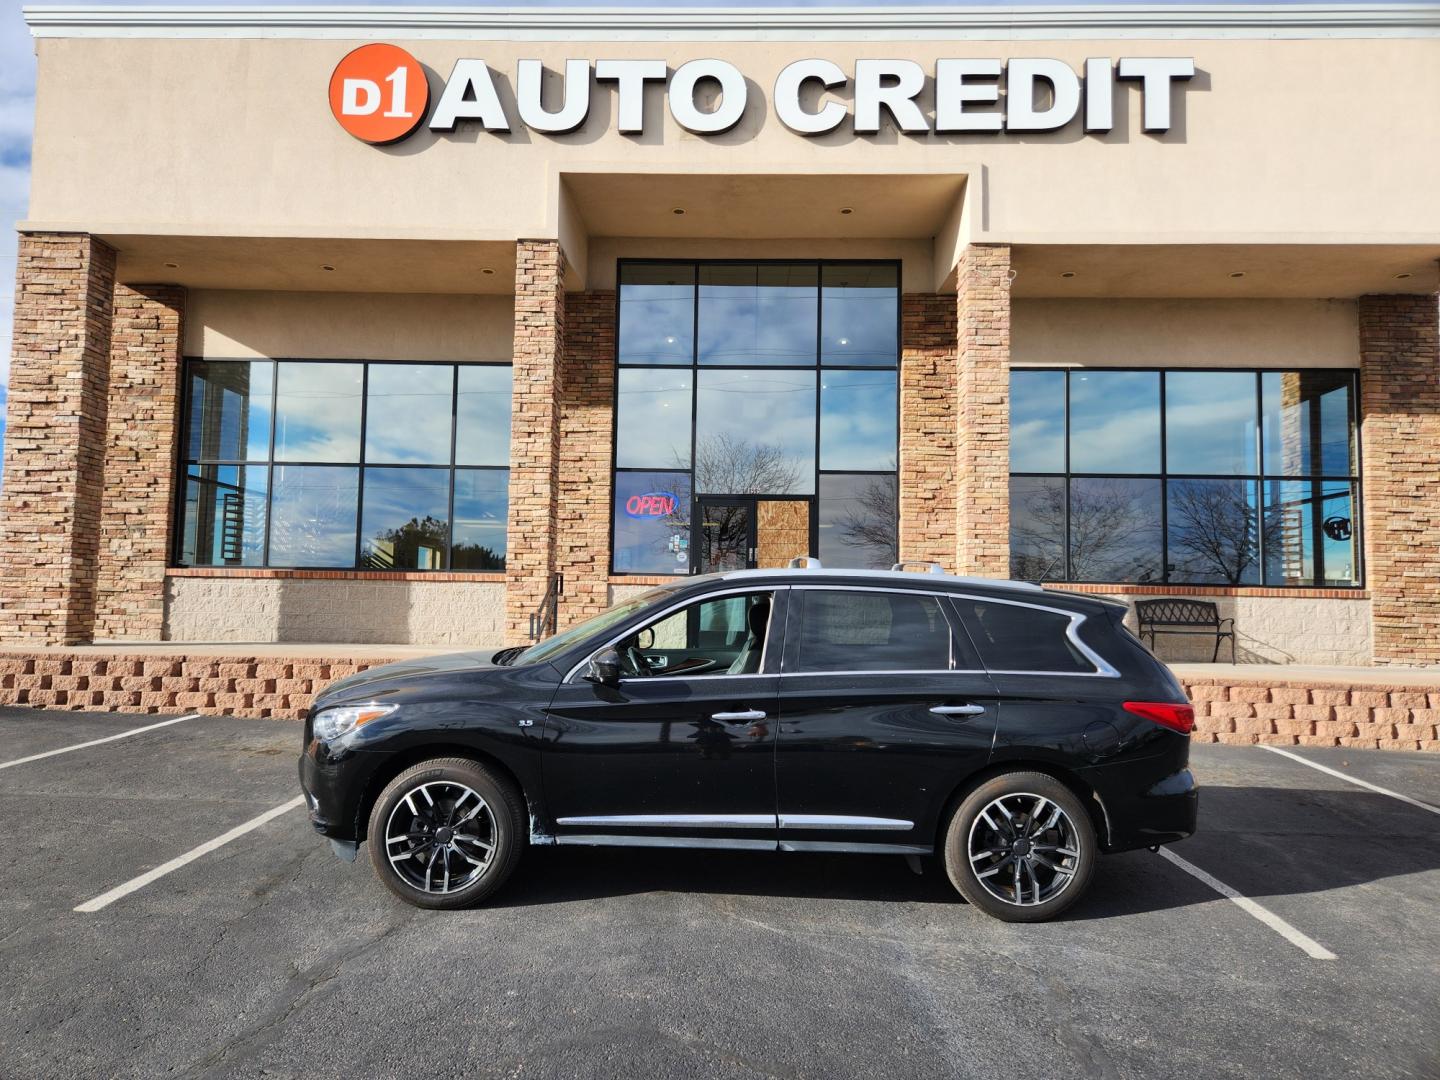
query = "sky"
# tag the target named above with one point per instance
(17, 114)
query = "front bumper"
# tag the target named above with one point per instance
(335, 784)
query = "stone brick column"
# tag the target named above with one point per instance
(587, 423)
(534, 430)
(55, 439)
(1400, 435)
(140, 454)
(983, 330)
(929, 385)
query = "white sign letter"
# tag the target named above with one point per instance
(787, 97)
(469, 94)
(574, 102)
(682, 96)
(1156, 74)
(631, 77)
(899, 97)
(351, 105)
(1099, 94)
(1020, 111)
(953, 93)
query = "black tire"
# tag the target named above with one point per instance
(1052, 867)
(418, 827)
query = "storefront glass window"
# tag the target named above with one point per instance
(755, 432)
(860, 305)
(653, 419)
(858, 526)
(657, 313)
(407, 519)
(1093, 498)
(324, 500)
(857, 420)
(230, 409)
(788, 387)
(1037, 421)
(652, 522)
(1210, 420)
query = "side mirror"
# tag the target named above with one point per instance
(604, 668)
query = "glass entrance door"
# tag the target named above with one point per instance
(745, 532)
(727, 535)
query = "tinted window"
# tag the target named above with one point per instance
(861, 314)
(657, 314)
(755, 432)
(1210, 422)
(1308, 423)
(1037, 421)
(407, 418)
(1011, 637)
(652, 522)
(1115, 421)
(766, 314)
(859, 518)
(1214, 528)
(872, 631)
(857, 420)
(230, 409)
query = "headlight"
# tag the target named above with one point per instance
(332, 723)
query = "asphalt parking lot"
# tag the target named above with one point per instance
(267, 956)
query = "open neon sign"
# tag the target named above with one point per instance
(652, 504)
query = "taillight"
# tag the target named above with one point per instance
(1179, 718)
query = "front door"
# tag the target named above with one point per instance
(748, 532)
(682, 752)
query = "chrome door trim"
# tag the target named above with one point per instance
(764, 651)
(671, 821)
(843, 848)
(843, 821)
(600, 840)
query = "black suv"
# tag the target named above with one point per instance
(1016, 732)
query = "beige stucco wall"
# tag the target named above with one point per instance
(463, 614)
(1274, 142)
(1185, 333)
(1279, 630)
(343, 326)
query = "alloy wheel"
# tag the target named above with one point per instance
(1024, 849)
(440, 837)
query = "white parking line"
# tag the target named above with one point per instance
(1311, 947)
(108, 898)
(1353, 779)
(96, 742)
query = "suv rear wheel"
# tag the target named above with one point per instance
(446, 833)
(1021, 847)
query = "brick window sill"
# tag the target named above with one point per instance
(1212, 590)
(327, 575)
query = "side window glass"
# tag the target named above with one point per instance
(872, 631)
(722, 636)
(1015, 638)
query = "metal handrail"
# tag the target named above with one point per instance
(545, 619)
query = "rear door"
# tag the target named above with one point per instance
(884, 710)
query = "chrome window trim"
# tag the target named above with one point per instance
(672, 821)
(844, 821)
(764, 652)
(884, 671)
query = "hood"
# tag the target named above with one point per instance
(377, 680)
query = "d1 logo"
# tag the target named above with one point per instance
(379, 93)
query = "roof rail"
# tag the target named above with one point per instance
(805, 562)
(928, 567)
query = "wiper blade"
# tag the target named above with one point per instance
(506, 657)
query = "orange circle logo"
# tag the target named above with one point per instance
(379, 93)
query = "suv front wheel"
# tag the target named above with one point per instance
(1021, 847)
(446, 833)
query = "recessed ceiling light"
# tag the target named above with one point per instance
(1398, 277)
(1067, 273)
(847, 209)
(176, 266)
(678, 210)
(487, 270)
(327, 267)
(1237, 273)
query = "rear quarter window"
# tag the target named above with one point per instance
(1012, 637)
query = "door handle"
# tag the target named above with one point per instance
(738, 717)
(958, 710)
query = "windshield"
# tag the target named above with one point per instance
(592, 628)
